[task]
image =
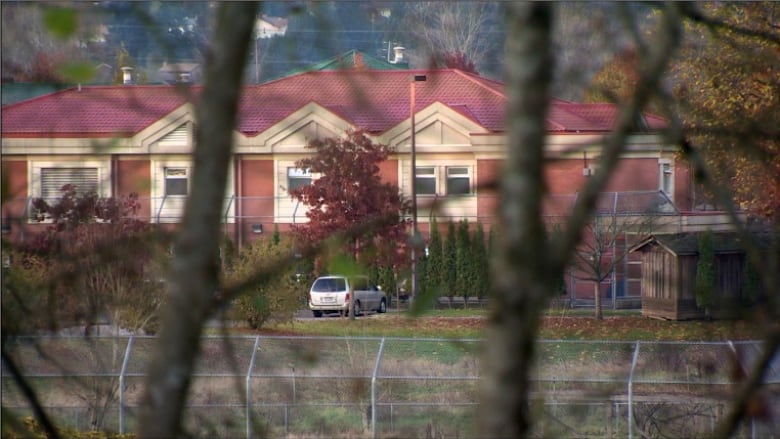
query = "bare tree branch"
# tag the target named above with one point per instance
(650, 74)
(754, 380)
(688, 10)
(30, 394)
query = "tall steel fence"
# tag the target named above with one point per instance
(263, 386)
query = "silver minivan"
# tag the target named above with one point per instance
(332, 294)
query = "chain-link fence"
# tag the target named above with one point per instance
(262, 386)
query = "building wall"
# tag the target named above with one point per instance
(635, 174)
(133, 175)
(255, 187)
(565, 176)
(683, 186)
(488, 172)
(14, 174)
(388, 171)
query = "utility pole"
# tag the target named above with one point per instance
(415, 231)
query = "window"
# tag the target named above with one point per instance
(458, 180)
(297, 178)
(425, 180)
(443, 180)
(176, 182)
(666, 180)
(85, 180)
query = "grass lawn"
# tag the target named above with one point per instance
(576, 324)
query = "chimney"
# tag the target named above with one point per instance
(127, 75)
(398, 54)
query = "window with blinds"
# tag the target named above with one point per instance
(85, 180)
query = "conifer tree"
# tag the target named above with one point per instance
(481, 276)
(464, 262)
(449, 272)
(705, 273)
(433, 267)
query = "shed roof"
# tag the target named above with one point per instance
(682, 244)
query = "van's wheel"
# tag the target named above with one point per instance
(382, 307)
(357, 308)
(317, 314)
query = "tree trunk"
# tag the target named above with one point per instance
(194, 271)
(521, 268)
(597, 300)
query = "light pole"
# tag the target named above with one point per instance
(415, 232)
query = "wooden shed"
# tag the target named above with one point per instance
(669, 275)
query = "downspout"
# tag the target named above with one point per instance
(160, 208)
(227, 213)
(238, 222)
(614, 252)
(114, 176)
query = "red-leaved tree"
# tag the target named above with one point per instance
(101, 260)
(349, 197)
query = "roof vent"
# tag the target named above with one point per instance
(127, 75)
(398, 55)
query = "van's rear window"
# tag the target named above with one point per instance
(328, 285)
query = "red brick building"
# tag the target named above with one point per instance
(122, 139)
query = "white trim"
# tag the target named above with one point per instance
(666, 168)
(286, 208)
(399, 136)
(270, 139)
(453, 206)
(170, 209)
(34, 173)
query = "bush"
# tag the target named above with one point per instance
(24, 290)
(276, 298)
(27, 428)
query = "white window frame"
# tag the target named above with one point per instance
(170, 208)
(421, 174)
(35, 173)
(666, 177)
(441, 175)
(69, 178)
(467, 176)
(460, 206)
(168, 177)
(298, 174)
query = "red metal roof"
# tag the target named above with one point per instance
(373, 100)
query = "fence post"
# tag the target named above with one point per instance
(373, 388)
(249, 388)
(630, 388)
(122, 385)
